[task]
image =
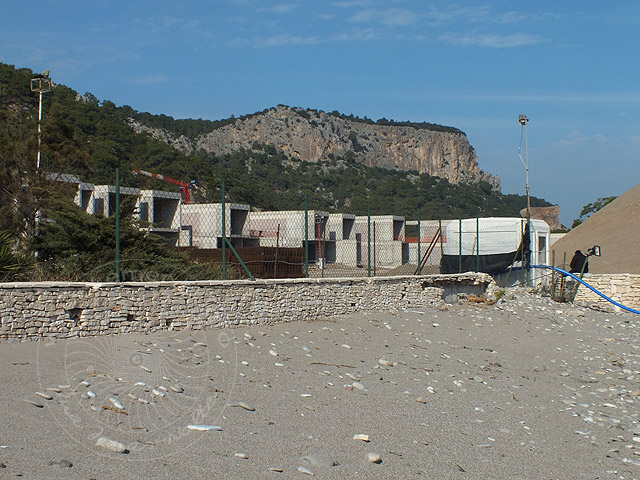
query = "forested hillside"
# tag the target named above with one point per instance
(90, 138)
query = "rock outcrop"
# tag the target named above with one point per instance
(551, 215)
(315, 136)
(179, 142)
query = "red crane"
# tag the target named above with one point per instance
(186, 187)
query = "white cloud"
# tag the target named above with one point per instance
(353, 3)
(492, 40)
(634, 140)
(365, 34)
(576, 138)
(184, 23)
(482, 15)
(457, 14)
(363, 16)
(286, 39)
(392, 16)
(283, 8)
(397, 16)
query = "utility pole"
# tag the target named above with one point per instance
(42, 84)
(523, 121)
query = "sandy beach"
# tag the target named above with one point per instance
(524, 389)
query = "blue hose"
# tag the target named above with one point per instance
(564, 272)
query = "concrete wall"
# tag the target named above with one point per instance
(387, 236)
(624, 288)
(202, 224)
(33, 311)
(290, 224)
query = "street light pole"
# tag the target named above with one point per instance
(42, 84)
(523, 121)
(39, 83)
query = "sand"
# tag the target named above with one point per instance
(616, 228)
(525, 388)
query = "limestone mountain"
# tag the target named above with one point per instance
(315, 136)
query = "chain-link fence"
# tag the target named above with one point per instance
(315, 243)
(309, 242)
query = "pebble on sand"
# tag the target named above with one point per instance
(374, 457)
(205, 428)
(112, 445)
(245, 406)
(319, 459)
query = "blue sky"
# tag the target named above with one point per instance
(572, 67)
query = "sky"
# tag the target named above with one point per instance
(571, 67)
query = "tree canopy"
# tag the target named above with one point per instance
(591, 208)
(89, 138)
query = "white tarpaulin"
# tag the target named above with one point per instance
(489, 236)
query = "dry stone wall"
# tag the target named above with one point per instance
(624, 288)
(34, 311)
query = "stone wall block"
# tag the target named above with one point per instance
(52, 310)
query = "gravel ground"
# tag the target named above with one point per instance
(525, 388)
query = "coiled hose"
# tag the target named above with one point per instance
(564, 272)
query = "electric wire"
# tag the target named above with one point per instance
(520, 147)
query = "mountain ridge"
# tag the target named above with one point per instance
(90, 139)
(316, 136)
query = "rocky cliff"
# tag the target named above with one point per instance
(551, 215)
(314, 136)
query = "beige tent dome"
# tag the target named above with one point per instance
(616, 228)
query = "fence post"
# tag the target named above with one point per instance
(224, 236)
(528, 252)
(369, 240)
(477, 244)
(460, 245)
(375, 261)
(117, 224)
(419, 252)
(306, 235)
(522, 263)
(553, 275)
